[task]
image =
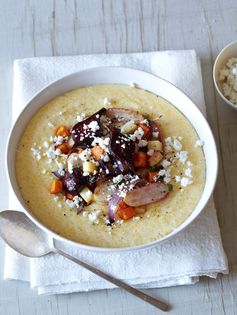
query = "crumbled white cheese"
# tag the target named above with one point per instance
(177, 145)
(142, 143)
(93, 216)
(70, 203)
(73, 160)
(150, 152)
(60, 168)
(177, 178)
(118, 179)
(46, 144)
(81, 117)
(155, 134)
(107, 102)
(165, 163)
(189, 164)
(105, 157)
(102, 142)
(58, 140)
(85, 213)
(136, 218)
(93, 126)
(185, 181)
(183, 156)
(199, 143)
(77, 200)
(85, 155)
(188, 172)
(37, 154)
(162, 173)
(228, 78)
(145, 122)
(137, 135)
(57, 152)
(50, 124)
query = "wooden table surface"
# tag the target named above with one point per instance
(31, 28)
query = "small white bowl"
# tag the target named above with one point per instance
(226, 53)
(117, 75)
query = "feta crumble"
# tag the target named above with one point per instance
(228, 78)
(185, 181)
(199, 143)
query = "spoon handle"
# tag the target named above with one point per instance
(145, 297)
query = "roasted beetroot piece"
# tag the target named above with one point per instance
(147, 194)
(121, 146)
(74, 182)
(84, 132)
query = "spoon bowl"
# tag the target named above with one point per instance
(20, 233)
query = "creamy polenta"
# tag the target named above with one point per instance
(183, 169)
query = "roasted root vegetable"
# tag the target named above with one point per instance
(129, 127)
(63, 148)
(86, 194)
(155, 145)
(89, 167)
(69, 196)
(62, 131)
(56, 186)
(155, 158)
(97, 152)
(140, 159)
(126, 213)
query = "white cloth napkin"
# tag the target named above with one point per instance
(194, 252)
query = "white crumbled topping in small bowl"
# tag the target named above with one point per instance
(228, 79)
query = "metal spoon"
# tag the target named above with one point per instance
(20, 233)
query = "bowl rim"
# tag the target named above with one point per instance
(87, 247)
(214, 74)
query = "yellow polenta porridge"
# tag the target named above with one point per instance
(110, 166)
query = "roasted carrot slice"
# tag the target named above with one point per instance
(97, 152)
(56, 186)
(62, 131)
(126, 213)
(122, 205)
(140, 159)
(63, 148)
(69, 196)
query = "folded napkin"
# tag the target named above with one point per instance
(181, 260)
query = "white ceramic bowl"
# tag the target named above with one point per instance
(106, 75)
(226, 53)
